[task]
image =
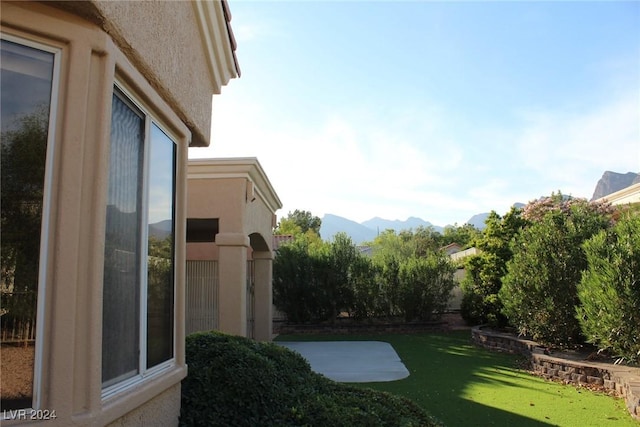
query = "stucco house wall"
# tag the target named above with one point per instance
(99, 44)
(194, 60)
(238, 195)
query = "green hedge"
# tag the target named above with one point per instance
(235, 381)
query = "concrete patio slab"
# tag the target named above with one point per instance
(352, 361)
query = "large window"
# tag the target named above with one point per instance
(28, 79)
(138, 301)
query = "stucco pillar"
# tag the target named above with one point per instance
(263, 324)
(232, 271)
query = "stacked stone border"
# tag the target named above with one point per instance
(449, 321)
(339, 328)
(624, 381)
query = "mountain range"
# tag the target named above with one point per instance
(368, 230)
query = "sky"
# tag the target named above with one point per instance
(436, 110)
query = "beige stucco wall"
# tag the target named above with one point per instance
(162, 410)
(69, 365)
(219, 198)
(235, 190)
(455, 300)
(164, 40)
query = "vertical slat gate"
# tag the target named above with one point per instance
(202, 296)
(251, 275)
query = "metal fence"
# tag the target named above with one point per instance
(18, 316)
(202, 296)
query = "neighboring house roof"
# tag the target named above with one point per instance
(221, 53)
(463, 254)
(451, 248)
(365, 250)
(232, 39)
(279, 240)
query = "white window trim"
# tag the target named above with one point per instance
(145, 373)
(46, 211)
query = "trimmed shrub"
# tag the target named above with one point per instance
(234, 381)
(609, 291)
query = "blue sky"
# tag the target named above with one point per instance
(438, 110)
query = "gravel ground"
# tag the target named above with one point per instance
(16, 371)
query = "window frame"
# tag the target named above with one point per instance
(47, 210)
(145, 373)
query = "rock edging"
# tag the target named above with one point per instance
(624, 381)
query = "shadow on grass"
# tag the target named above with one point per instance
(463, 385)
(441, 375)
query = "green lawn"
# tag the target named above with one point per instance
(467, 386)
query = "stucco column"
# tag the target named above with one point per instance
(232, 271)
(263, 265)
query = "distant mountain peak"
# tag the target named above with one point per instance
(614, 181)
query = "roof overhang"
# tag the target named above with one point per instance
(214, 23)
(237, 167)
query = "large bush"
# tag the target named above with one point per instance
(313, 282)
(389, 270)
(425, 286)
(316, 281)
(609, 291)
(368, 297)
(338, 280)
(297, 290)
(234, 381)
(539, 291)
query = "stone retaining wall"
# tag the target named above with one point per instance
(359, 328)
(624, 381)
(449, 321)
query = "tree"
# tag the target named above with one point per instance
(390, 244)
(484, 272)
(609, 291)
(464, 235)
(23, 161)
(299, 222)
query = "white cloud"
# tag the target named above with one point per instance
(571, 150)
(361, 163)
